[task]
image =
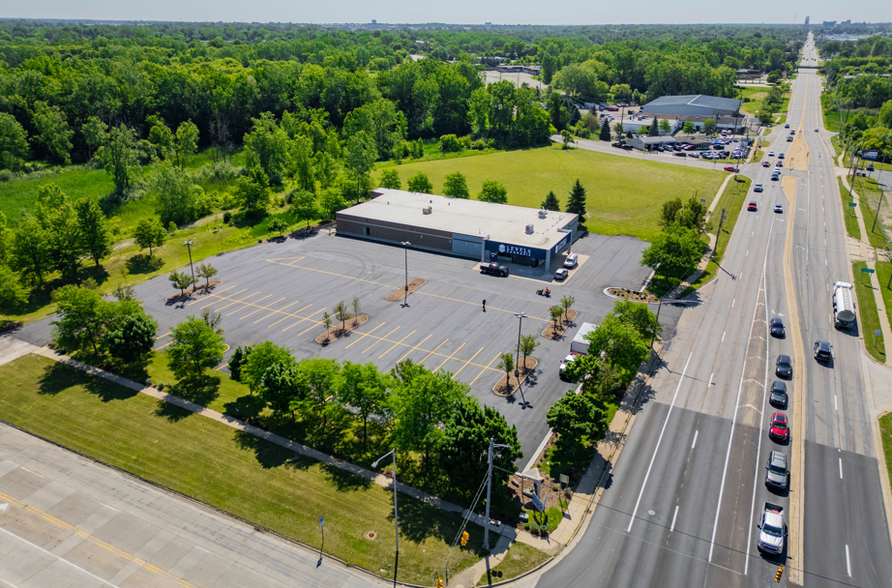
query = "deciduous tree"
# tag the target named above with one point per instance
(132, 339)
(493, 191)
(304, 206)
(194, 348)
(420, 183)
(455, 185)
(623, 346)
(364, 388)
(253, 192)
(13, 142)
(92, 226)
(181, 281)
(390, 178)
(119, 155)
(53, 133)
(149, 233)
(206, 271)
(80, 318)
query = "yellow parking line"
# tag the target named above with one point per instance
(217, 369)
(379, 339)
(288, 315)
(275, 311)
(263, 308)
(397, 343)
(306, 318)
(361, 335)
(498, 355)
(432, 352)
(162, 336)
(436, 369)
(247, 304)
(411, 349)
(220, 298)
(465, 363)
(213, 294)
(235, 301)
(163, 346)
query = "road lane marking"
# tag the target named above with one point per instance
(723, 336)
(659, 439)
(840, 473)
(835, 407)
(732, 302)
(848, 562)
(747, 253)
(694, 444)
(672, 526)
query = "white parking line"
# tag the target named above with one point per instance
(694, 444)
(848, 562)
(659, 439)
(672, 526)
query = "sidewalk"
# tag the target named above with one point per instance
(868, 254)
(12, 348)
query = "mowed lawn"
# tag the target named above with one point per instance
(625, 194)
(233, 471)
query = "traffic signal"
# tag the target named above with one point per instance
(780, 572)
(439, 583)
(464, 538)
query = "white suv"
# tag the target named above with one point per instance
(571, 260)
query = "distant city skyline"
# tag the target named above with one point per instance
(572, 12)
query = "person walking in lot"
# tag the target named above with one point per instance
(484, 305)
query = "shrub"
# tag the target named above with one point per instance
(449, 144)
(227, 217)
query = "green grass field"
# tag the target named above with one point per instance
(852, 227)
(77, 181)
(625, 195)
(519, 558)
(869, 195)
(884, 274)
(235, 472)
(886, 434)
(868, 313)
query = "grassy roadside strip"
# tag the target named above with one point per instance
(519, 558)
(884, 273)
(731, 200)
(233, 471)
(886, 434)
(848, 215)
(868, 313)
(869, 198)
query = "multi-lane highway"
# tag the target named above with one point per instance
(684, 500)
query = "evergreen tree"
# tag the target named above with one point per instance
(576, 203)
(551, 202)
(654, 130)
(605, 130)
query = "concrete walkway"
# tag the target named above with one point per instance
(861, 249)
(12, 348)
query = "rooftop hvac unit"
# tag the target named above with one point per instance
(543, 213)
(427, 210)
(529, 229)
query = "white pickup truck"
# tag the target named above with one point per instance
(772, 530)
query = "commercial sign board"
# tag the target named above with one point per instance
(508, 249)
(870, 155)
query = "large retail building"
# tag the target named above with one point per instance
(466, 228)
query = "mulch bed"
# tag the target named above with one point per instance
(336, 332)
(525, 370)
(565, 323)
(202, 289)
(632, 295)
(400, 293)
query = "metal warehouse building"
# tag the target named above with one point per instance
(465, 228)
(694, 105)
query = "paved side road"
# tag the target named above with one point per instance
(66, 520)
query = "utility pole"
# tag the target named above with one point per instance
(396, 522)
(489, 491)
(882, 192)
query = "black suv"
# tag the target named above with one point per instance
(778, 394)
(784, 367)
(823, 351)
(777, 327)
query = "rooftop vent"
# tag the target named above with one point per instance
(427, 209)
(529, 229)
(543, 213)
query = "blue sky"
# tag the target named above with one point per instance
(451, 11)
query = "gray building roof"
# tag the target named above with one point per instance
(693, 104)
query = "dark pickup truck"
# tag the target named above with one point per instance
(493, 269)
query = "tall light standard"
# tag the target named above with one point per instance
(406, 244)
(521, 316)
(396, 522)
(188, 245)
(488, 492)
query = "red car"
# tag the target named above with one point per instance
(766, 164)
(792, 132)
(751, 206)
(777, 427)
(731, 168)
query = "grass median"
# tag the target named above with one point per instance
(233, 471)
(519, 558)
(886, 435)
(868, 313)
(884, 277)
(848, 212)
(625, 194)
(869, 198)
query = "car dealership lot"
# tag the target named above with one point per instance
(279, 291)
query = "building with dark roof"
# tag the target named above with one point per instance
(693, 105)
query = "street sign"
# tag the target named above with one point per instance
(877, 333)
(867, 270)
(322, 520)
(852, 204)
(565, 479)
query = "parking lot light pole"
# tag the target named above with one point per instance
(188, 245)
(521, 316)
(406, 244)
(396, 521)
